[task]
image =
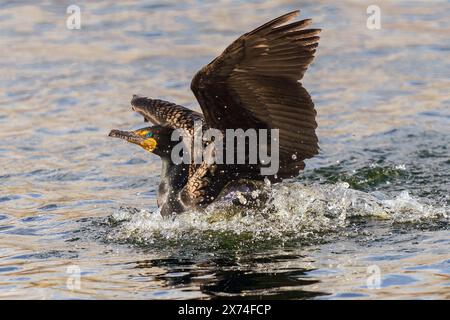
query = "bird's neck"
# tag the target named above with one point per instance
(173, 178)
(175, 175)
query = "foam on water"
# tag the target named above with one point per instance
(282, 212)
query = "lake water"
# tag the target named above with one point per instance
(368, 218)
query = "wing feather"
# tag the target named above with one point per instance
(165, 113)
(254, 83)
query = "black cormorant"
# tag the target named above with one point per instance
(253, 84)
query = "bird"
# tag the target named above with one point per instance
(253, 84)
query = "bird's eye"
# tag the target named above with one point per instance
(149, 135)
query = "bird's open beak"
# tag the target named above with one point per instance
(135, 137)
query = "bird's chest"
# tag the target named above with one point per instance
(163, 191)
(173, 179)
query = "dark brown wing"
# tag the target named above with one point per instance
(203, 186)
(165, 113)
(254, 84)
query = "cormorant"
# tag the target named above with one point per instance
(253, 84)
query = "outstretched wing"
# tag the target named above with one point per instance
(254, 84)
(165, 113)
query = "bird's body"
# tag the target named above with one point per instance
(253, 84)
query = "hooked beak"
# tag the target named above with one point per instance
(135, 137)
(129, 136)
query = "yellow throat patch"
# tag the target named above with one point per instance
(149, 144)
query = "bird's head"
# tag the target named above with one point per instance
(156, 139)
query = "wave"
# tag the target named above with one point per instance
(288, 211)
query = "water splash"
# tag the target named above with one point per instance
(284, 212)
